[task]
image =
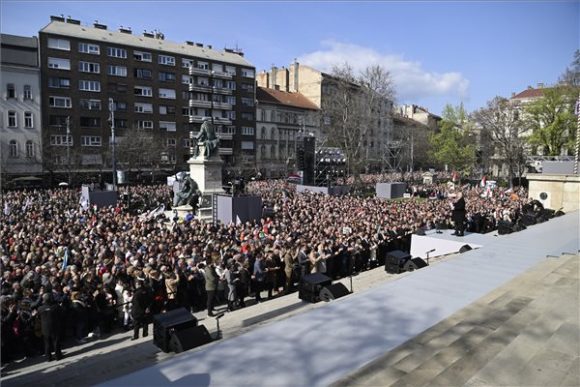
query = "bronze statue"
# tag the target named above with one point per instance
(188, 195)
(208, 138)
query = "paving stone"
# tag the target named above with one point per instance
(546, 368)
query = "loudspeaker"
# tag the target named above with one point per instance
(310, 286)
(415, 264)
(395, 261)
(185, 339)
(504, 227)
(464, 248)
(332, 292)
(166, 323)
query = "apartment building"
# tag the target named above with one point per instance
(159, 92)
(20, 136)
(318, 87)
(282, 120)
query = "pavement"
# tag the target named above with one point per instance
(524, 333)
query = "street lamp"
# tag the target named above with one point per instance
(113, 140)
(68, 145)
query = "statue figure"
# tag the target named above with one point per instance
(208, 138)
(188, 195)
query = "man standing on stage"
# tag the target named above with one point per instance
(458, 214)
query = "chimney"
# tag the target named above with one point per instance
(148, 34)
(99, 26)
(540, 85)
(126, 30)
(530, 87)
(189, 42)
(513, 94)
(209, 46)
(73, 21)
(57, 18)
(199, 44)
(293, 77)
(273, 77)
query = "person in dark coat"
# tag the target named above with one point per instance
(50, 322)
(458, 214)
(142, 300)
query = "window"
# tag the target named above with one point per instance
(248, 73)
(167, 93)
(116, 52)
(247, 145)
(58, 63)
(90, 104)
(27, 92)
(90, 85)
(118, 71)
(231, 100)
(59, 44)
(120, 106)
(166, 77)
(29, 149)
(90, 140)
(166, 109)
(247, 131)
(12, 121)
(247, 87)
(231, 115)
(203, 65)
(61, 140)
(186, 63)
(247, 101)
(28, 121)
(231, 85)
(231, 70)
(60, 102)
(141, 124)
(144, 91)
(167, 125)
(143, 107)
(89, 48)
(89, 67)
(143, 74)
(202, 81)
(58, 83)
(218, 83)
(248, 116)
(166, 60)
(142, 56)
(10, 91)
(59, 121)
(186, 79)
(186, 143)
(120, 123)
(13, 149)
(170, 142)
(90, 122)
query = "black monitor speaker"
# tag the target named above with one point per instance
(164, 324)
(395, 261)
(310, 286)
(332, 292)
(186, 339)
(464, 248)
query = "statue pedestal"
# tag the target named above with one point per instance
(207, 173)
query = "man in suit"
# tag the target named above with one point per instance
(142, 300)
(458, 214)
(50, 321)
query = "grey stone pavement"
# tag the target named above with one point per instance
(524, 333)
(116, 355)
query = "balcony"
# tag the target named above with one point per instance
(222, 105)
(222, 121)
(221, 90)
(225, 135)
(198, 71)
(225, 151)
(203, 88)
(219, 74)
(199, 103)
(194, 119)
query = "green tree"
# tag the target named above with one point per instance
(453, 147)
(571, 75)
(552, 121)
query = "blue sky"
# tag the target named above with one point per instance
(437, 52)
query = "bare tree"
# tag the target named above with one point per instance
(140, 152)
(506, 129)
(356, 111)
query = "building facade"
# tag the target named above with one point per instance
(20, 127)
(282, 120)
(318, 87)
(158, 91)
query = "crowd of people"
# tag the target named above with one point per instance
(100, 269)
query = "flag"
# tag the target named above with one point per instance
(482, 184)
(65, 259)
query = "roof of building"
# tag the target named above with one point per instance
(114, 37)
(20, 41)
(278, 97)
(530, 93)
(19, 50)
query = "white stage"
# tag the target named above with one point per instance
(321, 346)
(443, 243)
